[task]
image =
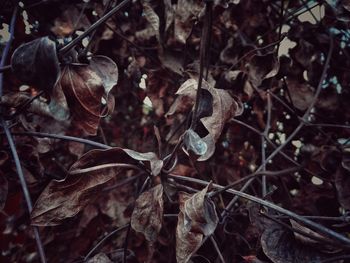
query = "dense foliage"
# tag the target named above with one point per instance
(175, 131)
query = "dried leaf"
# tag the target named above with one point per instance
(100, 258)
(302, 94)
(36, 63)
(151, 17)
(216, 107)
(38, 107)
(280, 246)
(148, 213)
(195, 143)
(197, 218)
(85, 94)
(107, 70)
(319, 241)
(262, 67)
(87, 176)
(185, 14)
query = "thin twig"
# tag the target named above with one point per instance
(63, 137)
(7, 47)
(213, 241)
(255, 50)
(295, 132)
(126, 241)
(345, 219)
(273, 145)
(263, 150)
(299, 231)
(103, 240)
(312, 225)
(103, 19)
(24, 188)
(203, 57)
(5, 68)
(22, 107)
(253, 175)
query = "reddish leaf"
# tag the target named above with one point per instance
(148, 213)
(84, 91)
(197, 218)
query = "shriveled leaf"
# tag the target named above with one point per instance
(172, 61)
(3, 190)
(87, 176)
(262, 67)
(197, 218)
(215, 108)
(16, 100)
(148, 213)
(36, 63)
(280, 246)
(186, 12)
(100, 258)
(151, 17)
(302, 94)
(85, 94)
(169, 13)
(58, 105)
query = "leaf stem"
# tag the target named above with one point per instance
(104, 166)
(203, 57)
(103, 240)
(24, 188)
(252, 175)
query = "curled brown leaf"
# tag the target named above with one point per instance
(86, 92)
(197, 218)
(216, 108)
